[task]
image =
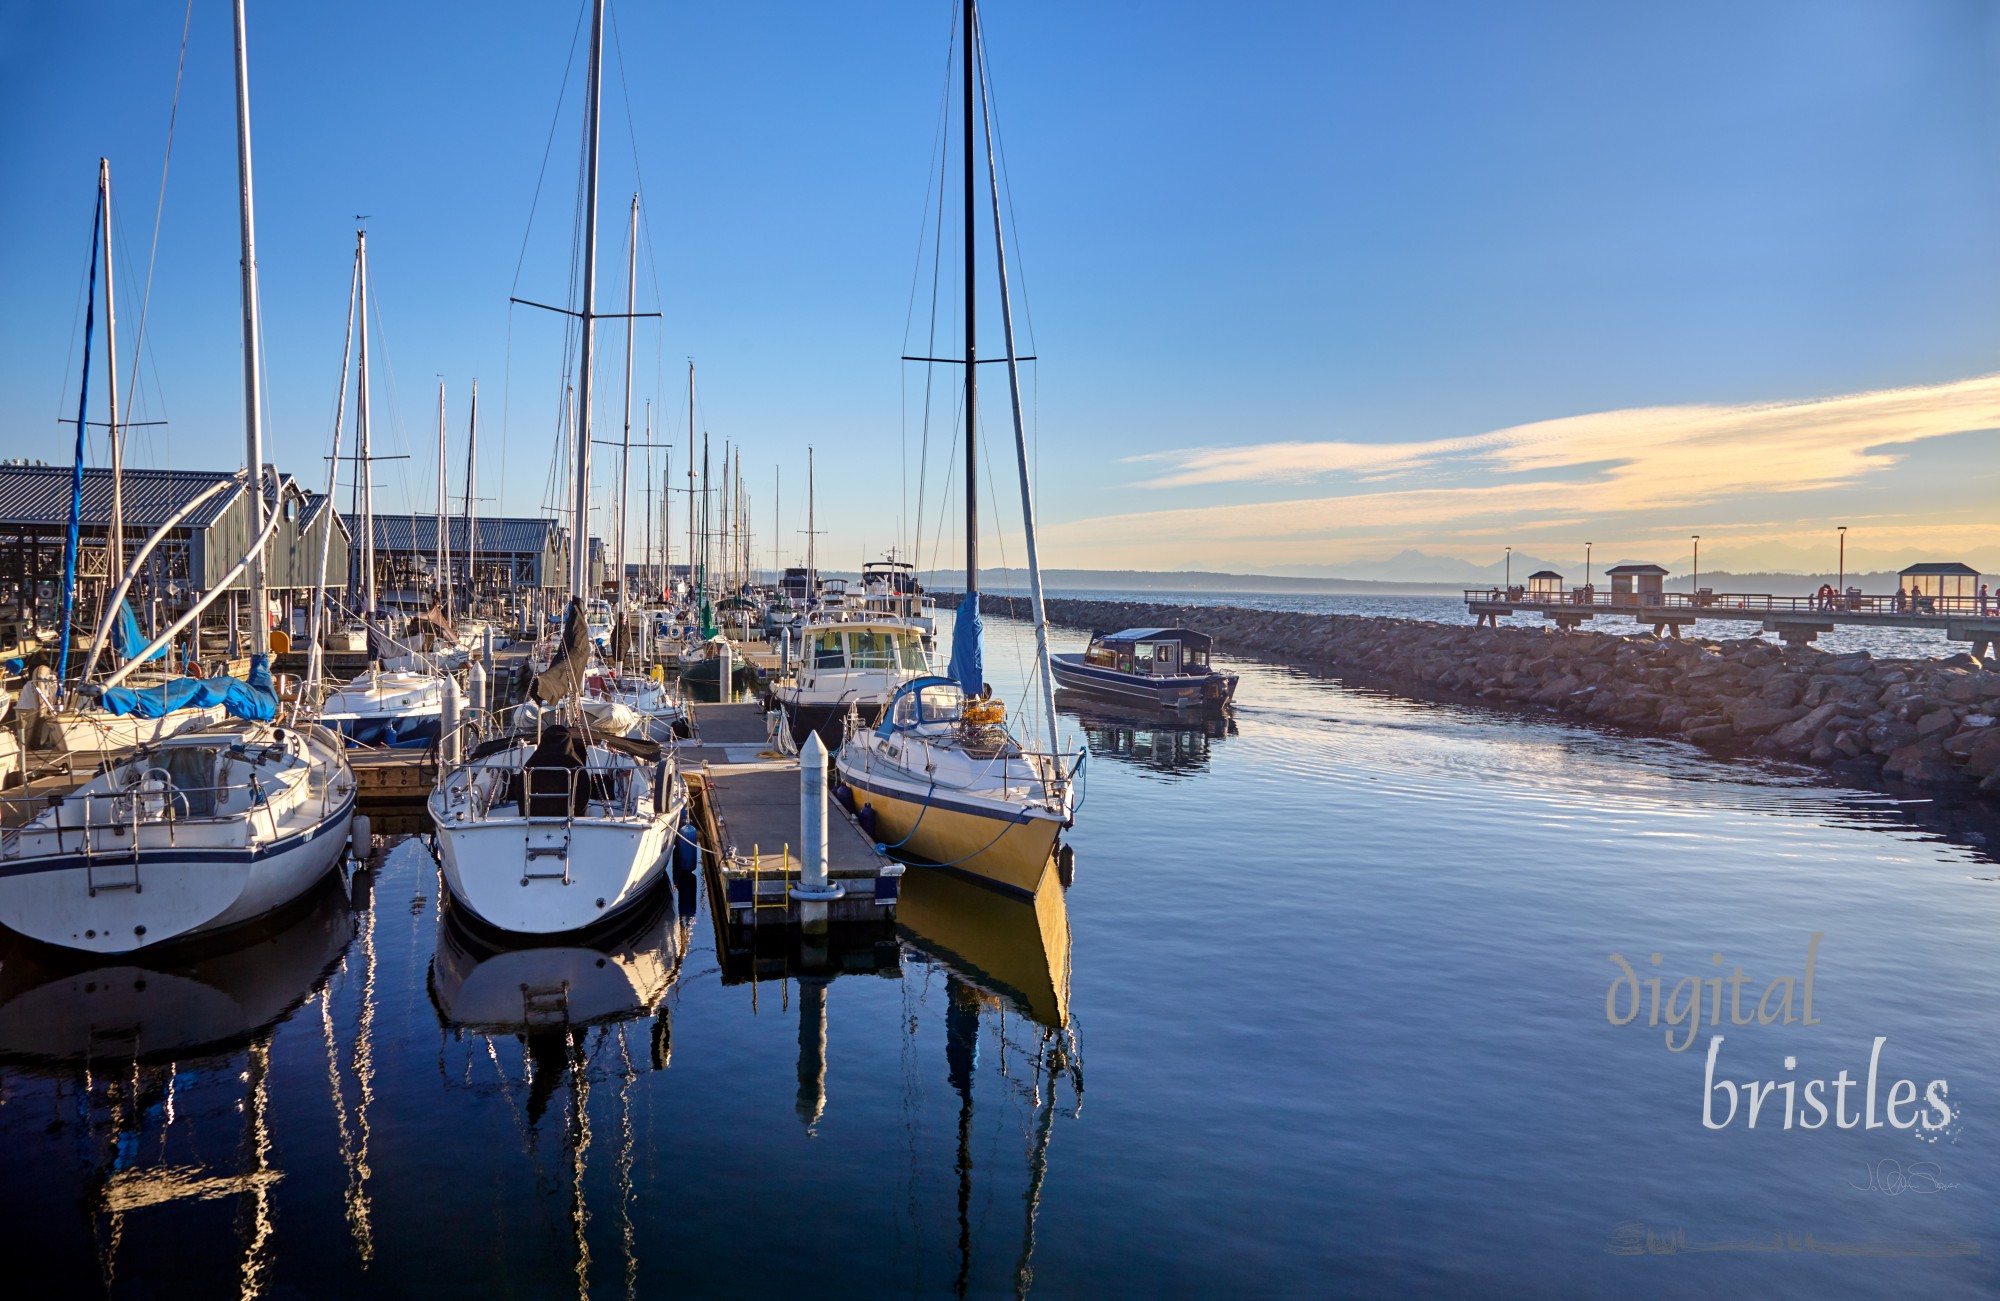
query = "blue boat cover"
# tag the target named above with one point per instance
(968, 647)
(126, 638)
(251, 697)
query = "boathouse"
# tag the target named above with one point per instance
(192, 558)
(1637, 584)
(507, 555)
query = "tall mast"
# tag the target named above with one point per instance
(116, 570)
(253, 347)
(707, 537)
(971, 342)
(666, 525)
(314, 648)
(691, 512)
(364, 477)
(443, 543)
(812, 536)
(646, 557)
(471, 487)
(579, 566)
(625, 460)
(1020, 436)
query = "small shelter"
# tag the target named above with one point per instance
(1936, 584)
(1638, 585)
(1545, 585)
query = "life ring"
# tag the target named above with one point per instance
(193, 670)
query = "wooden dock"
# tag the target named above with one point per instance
(744, 801)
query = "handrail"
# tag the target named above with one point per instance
(1725, 602)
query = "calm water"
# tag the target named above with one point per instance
(1324, 1013)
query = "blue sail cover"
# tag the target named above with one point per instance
(251, 697)
(968, 647)
(126, 638)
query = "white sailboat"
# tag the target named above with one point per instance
(558, 831)
(946, 780)
(209, 828)
(399, 700)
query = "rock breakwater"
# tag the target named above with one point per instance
(1931, 723)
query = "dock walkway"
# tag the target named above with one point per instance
(745, 798)
(1796, 619)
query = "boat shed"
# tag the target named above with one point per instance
(1637, 584)
(192, 558)
(510, 555)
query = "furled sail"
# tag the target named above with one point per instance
(251, 697)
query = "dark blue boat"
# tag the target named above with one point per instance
(1165, 667)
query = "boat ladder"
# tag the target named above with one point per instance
(543, 1006)
(757, 900)
(123, 837)
(549, 847)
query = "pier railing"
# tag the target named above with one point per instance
(1720, 603)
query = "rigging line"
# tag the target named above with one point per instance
(555, 119)
(935, 171)
(160, 207)
(1019, 264)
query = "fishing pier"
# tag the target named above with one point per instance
(1942, 596)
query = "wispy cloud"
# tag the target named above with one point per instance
(1644, 472)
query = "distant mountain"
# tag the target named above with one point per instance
(1140, 580)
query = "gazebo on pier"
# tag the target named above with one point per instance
(1545, 585)
(1935, 587)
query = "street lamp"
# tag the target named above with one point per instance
(1510, 569)
(1586, 563)
(1843, 560)
(1697, 569)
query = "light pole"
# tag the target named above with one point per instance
(1586, 565)
(1510, 569)
(1697, 569)
(1842, 588)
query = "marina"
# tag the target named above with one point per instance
(728, 751)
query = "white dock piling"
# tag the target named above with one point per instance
(476, 689)
(812, 889)
(725, 678)
(784, 650)
(448, 715)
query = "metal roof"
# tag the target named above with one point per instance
(1636, 569)
(1947, 568)
(1157, 634)
(1545, 573)
(419, 533)
(40, 494)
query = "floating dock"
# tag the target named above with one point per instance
(744, 802)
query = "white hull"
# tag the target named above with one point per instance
(72, 877)
(94, 730)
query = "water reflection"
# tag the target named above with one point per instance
(1175, 744)
(999, 956)
(127, 1039)
(569, 1009)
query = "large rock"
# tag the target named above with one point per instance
(1755, 718)
(1806, 729)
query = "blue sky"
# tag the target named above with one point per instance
(1255, 238)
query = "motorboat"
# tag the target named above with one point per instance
(1167, 668)
(847, 668)
(390, 708)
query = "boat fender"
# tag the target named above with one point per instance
(687, 851)
(1066, 866)
(866, 817)
(845, 795)
(661, 792)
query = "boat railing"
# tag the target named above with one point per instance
(1596, 598)
(121, 814)
(608, 790)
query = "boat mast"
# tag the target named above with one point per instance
(625, 458)
(315, 651)
(812, 536)
(443, 544)
(1020, 437)
(364, 477)
(579, 564)
(116, 568)
(253, 348)
(971, 341)
(471, 486)
(646, 564)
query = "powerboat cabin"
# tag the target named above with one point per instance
(1162, 667)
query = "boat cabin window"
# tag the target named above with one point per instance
(1103, 656)
(913, 654)
(871, 648)
(940, 702)
(1197, 659)
(827, 652)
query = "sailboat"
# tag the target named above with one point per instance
(73, 723)
(565, 828)
(401, 704)
(946, 780)
(209, 828)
